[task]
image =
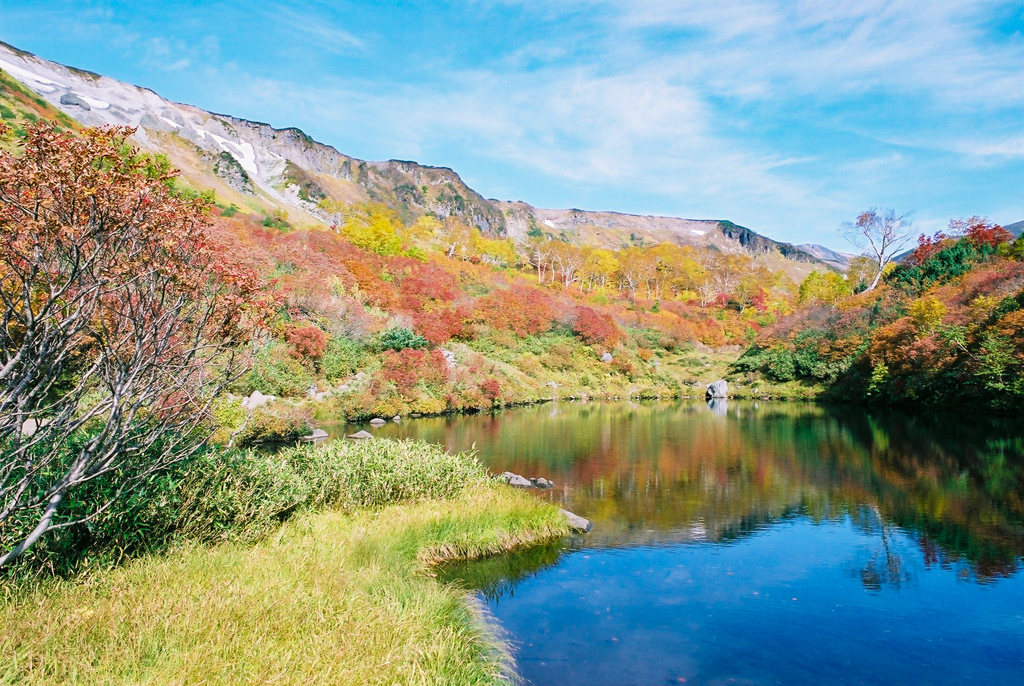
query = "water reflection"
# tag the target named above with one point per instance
(662, 473)
(758, 544)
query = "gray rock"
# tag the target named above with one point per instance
(718, 389)
(607, 357)
(361, 435)
(73, 99)
(318, 435)
(516, 480)
(552, 384)
(396, 419)
(255, 400)
(541, 482)
(311, 391)
(377, 421)
(449, 357)
(577, 523)
(29, 428)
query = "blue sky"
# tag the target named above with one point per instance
(787, 117)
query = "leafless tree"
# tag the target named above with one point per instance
(881, 236)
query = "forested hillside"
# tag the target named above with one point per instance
(946, 327)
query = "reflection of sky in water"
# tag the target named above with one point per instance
(759, 544)
(785, 606)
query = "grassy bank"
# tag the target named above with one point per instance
(310, 565)
(328, 598)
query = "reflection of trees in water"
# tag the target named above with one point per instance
(886, 567)
(676, 472)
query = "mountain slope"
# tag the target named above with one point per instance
(280, 172)
(1017, 228)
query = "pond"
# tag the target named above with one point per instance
(758, 543)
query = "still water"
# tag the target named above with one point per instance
(769, 543)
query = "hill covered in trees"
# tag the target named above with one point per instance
(945, 327)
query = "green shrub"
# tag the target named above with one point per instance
(400, 338)
(276, 372)
(342, 358)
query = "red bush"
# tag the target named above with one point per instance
(307, 341)
(427, 282)
(595, 327)
(408, 367)
(523, 310)
(491, 389)
(440, 326)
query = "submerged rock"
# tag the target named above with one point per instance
(361, 435)
(718, 389)
(577, 523)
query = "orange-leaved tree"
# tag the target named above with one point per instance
(119, 323)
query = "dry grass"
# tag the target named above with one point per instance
(331, 598)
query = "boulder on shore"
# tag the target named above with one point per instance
(577, 523)
(718, 389)
(361, 435)
(255, 400)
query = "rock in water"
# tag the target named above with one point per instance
(361, 435)
(377, 422)
(318, 435)
(516, 480)
(577, 523)
(719, 389)
(541, 482)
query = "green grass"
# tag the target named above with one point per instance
(329, 598)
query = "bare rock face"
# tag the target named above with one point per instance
(719, 389)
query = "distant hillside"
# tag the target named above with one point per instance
(832, 258)
(1017, 228)
(270, 171)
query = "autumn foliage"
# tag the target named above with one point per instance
(120, 318)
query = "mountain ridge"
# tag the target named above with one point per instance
(284, 171)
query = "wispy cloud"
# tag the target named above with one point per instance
(789, 116)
